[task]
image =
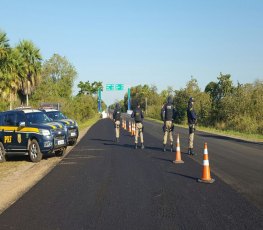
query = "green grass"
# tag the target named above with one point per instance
(88, 123)
(230, 133)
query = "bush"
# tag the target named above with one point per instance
(154, 111)
(4, 106)
(80, 108)
(220, 125)
(243, 124)
(260, 127)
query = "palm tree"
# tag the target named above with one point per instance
(31, 58)
(16, 69)
(4, 45)
(4, 52)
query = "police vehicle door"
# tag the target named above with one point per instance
(12, 136)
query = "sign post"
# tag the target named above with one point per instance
(129, 99)
(99, 100)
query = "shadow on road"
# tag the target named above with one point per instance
(179, 174)
(121, 145)
(214, 136)
(127, 135)
(163, 159)
(155, 148)
(25, 158)
(97, 139)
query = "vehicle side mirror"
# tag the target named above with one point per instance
(22, 124)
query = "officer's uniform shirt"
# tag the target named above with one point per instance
(168, 112)
(191, 114)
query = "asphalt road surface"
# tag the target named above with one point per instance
(104, 185)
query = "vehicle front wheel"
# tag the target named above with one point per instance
(2, 153)
(35, 154)
(72, 142)
(60, 153)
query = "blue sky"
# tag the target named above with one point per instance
(133, 42)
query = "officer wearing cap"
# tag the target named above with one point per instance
(117, 121)
(138, 116)
(168, 116)
(192, 118)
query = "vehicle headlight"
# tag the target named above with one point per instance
(65, 128)
(45, 132)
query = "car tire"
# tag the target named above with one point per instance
(71, 143)
(34, 152)
(60, 153)
(2, 153)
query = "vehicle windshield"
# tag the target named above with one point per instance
(38, 117)
(56, 115)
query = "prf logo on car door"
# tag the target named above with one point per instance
(7, 139)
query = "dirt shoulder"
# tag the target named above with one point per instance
(17, 177)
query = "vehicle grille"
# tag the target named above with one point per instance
(72, 130)
(59, 140)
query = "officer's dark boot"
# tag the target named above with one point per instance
(172, 147)
(192, 152)
(136, 146)
(164, 148)
(142, 146)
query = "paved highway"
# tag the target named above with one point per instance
(104, 185)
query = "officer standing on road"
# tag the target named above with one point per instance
(117, 120)
(192, 118)
(137, 114)
(168, 116)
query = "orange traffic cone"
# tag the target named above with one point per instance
(130, 129)
(178, 158)
(125, 124)
(206, 177)
(133, 128)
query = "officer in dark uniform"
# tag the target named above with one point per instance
(138, 116)
(117, 121)
(168, 116)
(192, 118)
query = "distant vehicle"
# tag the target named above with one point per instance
(27, 131)
(129, 112)
(71, 126)
(104, 115)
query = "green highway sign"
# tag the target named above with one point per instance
(119, 87)
(109, 87)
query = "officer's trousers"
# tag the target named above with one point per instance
(117, 129)
(191, 136)
(138, 131)
(168, 130)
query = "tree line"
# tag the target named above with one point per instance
(221, 105)
(25, 79)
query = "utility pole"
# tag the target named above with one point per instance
(146, 105)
